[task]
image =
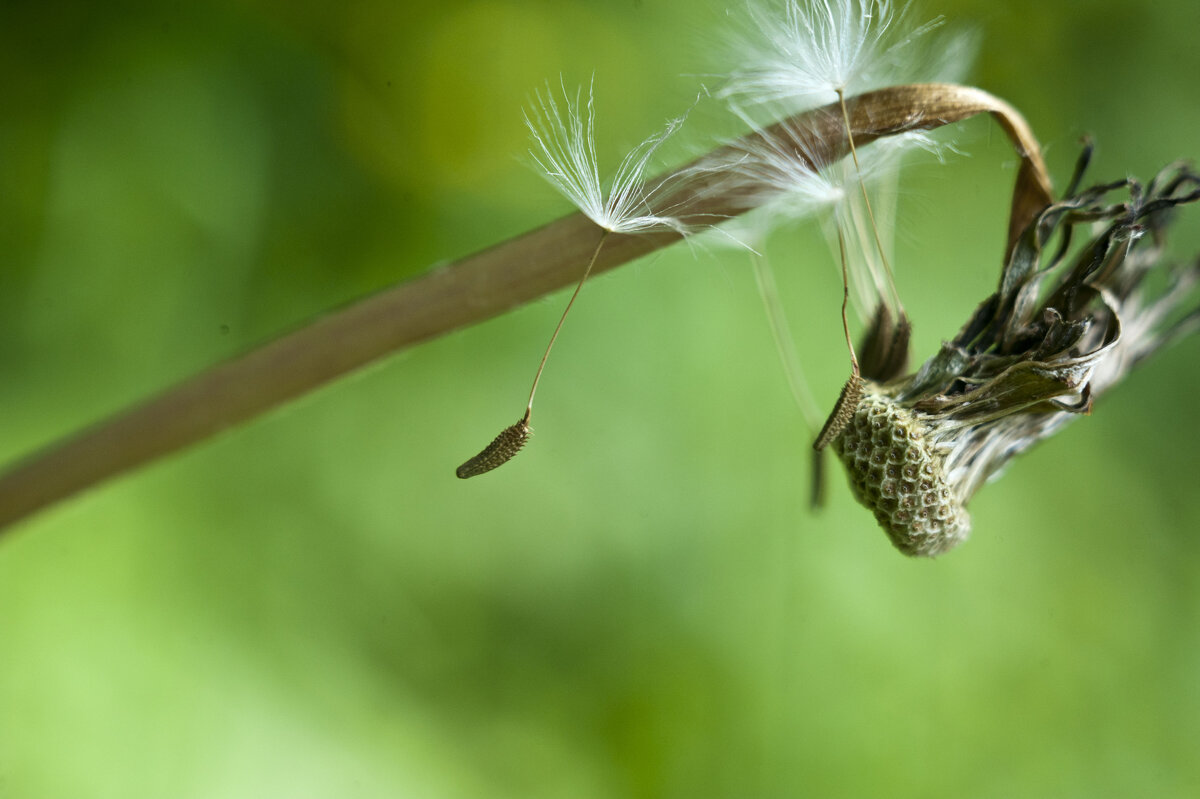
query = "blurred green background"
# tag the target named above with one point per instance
(642, 604)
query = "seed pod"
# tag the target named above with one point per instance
(896, 474)
(502, 449)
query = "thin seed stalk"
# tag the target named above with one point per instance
(471, 290)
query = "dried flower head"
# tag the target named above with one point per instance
(1057, 333)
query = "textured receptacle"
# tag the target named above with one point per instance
(895, 472)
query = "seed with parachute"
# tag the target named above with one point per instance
(567, 159)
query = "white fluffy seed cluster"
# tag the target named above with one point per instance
(897, 475)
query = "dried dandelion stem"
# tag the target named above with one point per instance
(473, 289)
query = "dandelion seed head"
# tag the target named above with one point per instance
(565, 155)
(1058, 333)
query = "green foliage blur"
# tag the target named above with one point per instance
(641, 605)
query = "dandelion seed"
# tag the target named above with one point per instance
(817, 52)
(566, 157)
(811, 54)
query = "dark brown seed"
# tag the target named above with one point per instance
(884, 351)
(499, 452)
(843, 412)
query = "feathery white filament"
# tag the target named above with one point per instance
(566, 156)
(781, 171)
(815, 49)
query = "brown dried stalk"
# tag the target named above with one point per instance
(473, 289)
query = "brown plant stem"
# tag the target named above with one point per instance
(473, 289)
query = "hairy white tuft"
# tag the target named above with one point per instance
(566, 156)
(782, 169)
(780, 172)
(810, 51)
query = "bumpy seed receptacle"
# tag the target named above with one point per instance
(895, 472)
